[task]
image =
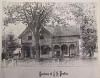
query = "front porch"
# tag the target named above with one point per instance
(54, 51)
(66, 49)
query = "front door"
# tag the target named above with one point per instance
(72, 50)
(26, 51)
(57, 51)
(64, 49)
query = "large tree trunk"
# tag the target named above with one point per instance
(37, 51)
(37, 46)
(36, 35)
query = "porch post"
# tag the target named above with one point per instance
(40, 51)
(77, 48)
(31, 52)
(69, 50)
(52, 47)
(61, 53)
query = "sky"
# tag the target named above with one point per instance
(14, 29)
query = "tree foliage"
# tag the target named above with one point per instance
(87, 21)
(30, 14)
(9, 44)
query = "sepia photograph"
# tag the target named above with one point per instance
(49, 40)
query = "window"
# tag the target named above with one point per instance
(56, 47)
(72, 46)
(45, 49)
(41, 37)
(64, 48)
(29, 37)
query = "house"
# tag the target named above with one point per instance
(28, 43)
(61, 41)
(65, 41)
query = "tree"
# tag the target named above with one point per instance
(89, 36)
(87, 21)
(9, 44)
(35, 15)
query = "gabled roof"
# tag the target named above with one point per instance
(24, 32)
(57, 31)
(27, 30)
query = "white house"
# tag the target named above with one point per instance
(62, 41)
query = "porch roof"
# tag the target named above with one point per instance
(65, 31)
